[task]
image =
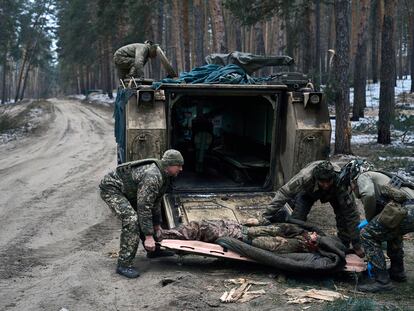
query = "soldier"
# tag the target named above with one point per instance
(134, 191)
(131, 59)
(279, 238)
(389, 209)
(319, 181)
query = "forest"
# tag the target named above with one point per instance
(55, 47)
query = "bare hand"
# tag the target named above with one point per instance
(251, 222)
(149, 243)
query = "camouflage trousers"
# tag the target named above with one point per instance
(125, 66)
(283, 238)
(130, 233)
(375, 233)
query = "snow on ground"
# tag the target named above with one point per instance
(34, 119)
(372, 97)
(95, 97)
(373, 91)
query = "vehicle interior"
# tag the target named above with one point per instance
(225, 140)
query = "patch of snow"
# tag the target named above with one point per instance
(77, 96)
(34, 116)
(396, 158)
(96, 97)
(396, 136)
(372, 91)
(102, 98)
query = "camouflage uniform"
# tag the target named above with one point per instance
(134, 194)
(281, 238)
(131, 59)
(375, 192)
(302, 191)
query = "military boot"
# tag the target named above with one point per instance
(397, 271)
(381, 282)
(127, 271)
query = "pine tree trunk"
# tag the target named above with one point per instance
(199, 32)
(238, 35)
(317, 58)
(4, 86)
(411, 45)
(107, 55)
(186, 36)
(387, 92)
(175, 34)
(374, 41)
(26, 75)
(307, 39)
(260, 45)
(20, 77)
(360, 69)
(156, 25)
(331, 38)
(217, 22)
(341, 83)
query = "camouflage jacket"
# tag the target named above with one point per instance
(144, 187)
(375, 191)
(304, 181)
(138, 51)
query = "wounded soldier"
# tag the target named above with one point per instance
(280, 238)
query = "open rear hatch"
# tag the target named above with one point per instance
(183, 208)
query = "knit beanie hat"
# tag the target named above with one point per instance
(172, 157)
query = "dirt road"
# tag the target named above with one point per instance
(56, 233)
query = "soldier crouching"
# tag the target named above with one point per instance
(389, 209)
(134, 192)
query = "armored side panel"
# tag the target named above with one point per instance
(307, 136)
(145, 128)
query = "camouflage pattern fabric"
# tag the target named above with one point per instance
(282, 245)
(131, 59)
(130, 229)
(281, 238)
(302, 191)
(134, 195)
(206, 231)
(373, 188)
(375, 233)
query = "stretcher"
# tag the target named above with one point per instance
(353, 262)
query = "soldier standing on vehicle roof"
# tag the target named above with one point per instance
(134, 192)
(319, 181)
(131, 59)
(389, 208)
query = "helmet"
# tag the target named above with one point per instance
(353, 169)
(324, 171)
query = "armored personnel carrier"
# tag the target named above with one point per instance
(240, 142)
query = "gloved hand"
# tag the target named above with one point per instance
(362, 224)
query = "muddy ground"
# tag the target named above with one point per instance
(56, 235)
